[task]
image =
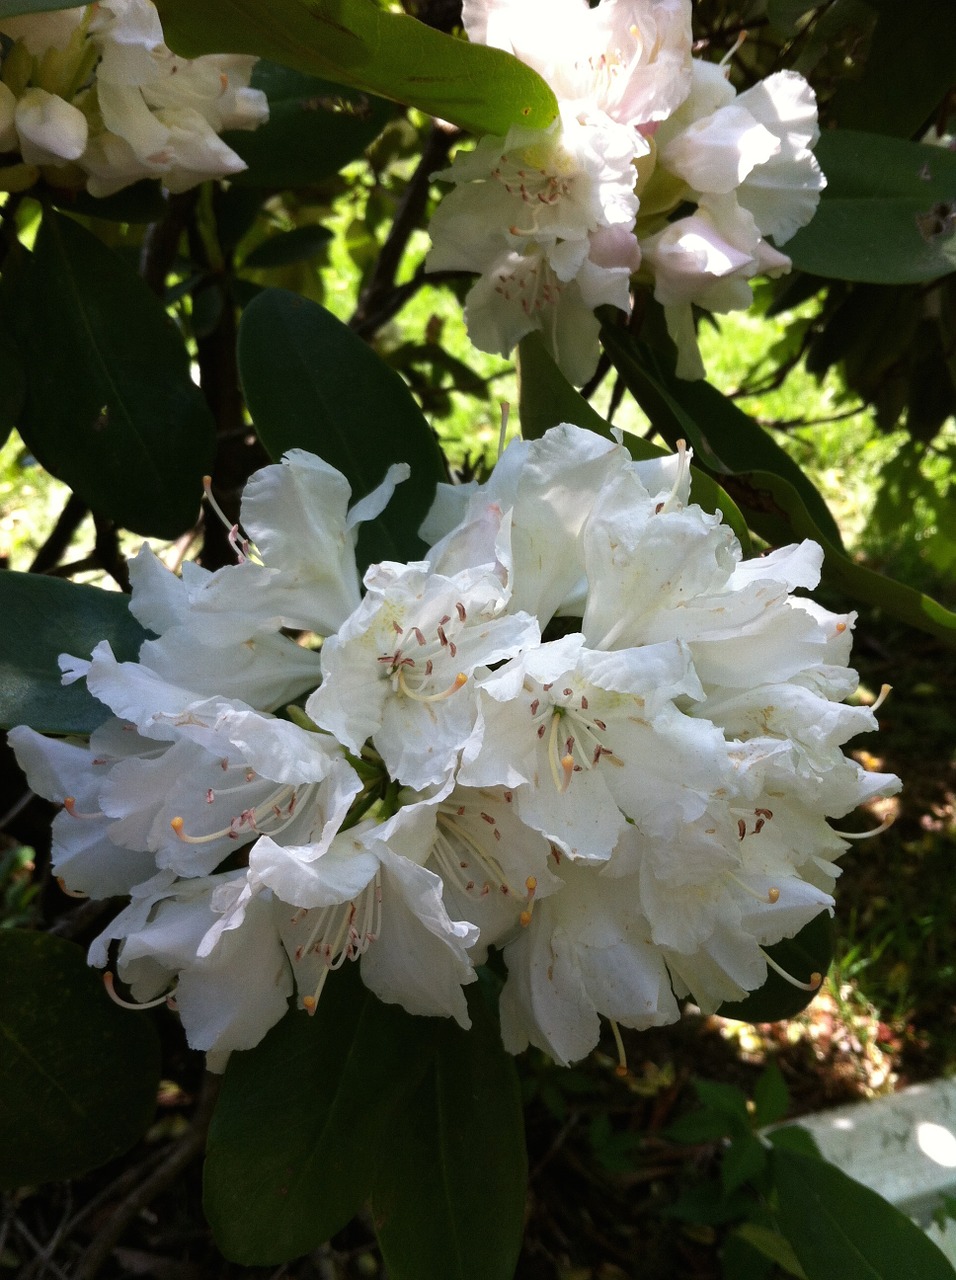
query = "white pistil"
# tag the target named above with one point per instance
(267, 818)
(108, 983)
(815, 978)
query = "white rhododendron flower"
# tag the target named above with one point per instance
(558, 221)
(98, 99)
(583, 731)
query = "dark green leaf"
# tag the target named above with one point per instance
(744, 1159)
(839, 1228)
(42, 618)
(299, 1120)
(784, 14)
(809, 952)
(547, 398)
(909, 69)
(11, 8)
(78, 1075)
(771, 1096)
(297, 245)
(726, 1099)
(310, 383)
(12, 382)
(793, 1137)
(724, 438)
(779, 501)
(110, 407)
(314, 128)
(449, 1194)
(141, 202)
(357, 43)
(771, 1245)
(887, 215)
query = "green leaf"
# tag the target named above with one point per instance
(314, 128)
(357, 43)
(809, 952)
(839, 1228)
(793, 1137)
(773, 1246)
(908, 70)
(110, 407)
(449, 1194)
(310, 383)
(42, 618)
(546, 398)
(724, 438)
(744, 1160)
(297, 245)
(771, 1096)
(291, 1146)
(140, 202)
(12, 8)
(886, 214)
(779, 501)
(12, 382)
(78, 1075)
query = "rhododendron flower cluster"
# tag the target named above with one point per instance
(583, 730)
(655, 169)
(92, 96)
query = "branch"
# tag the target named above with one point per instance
(377, 302)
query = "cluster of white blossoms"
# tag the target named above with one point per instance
(92, 96)
(656, 169)
(583, 730)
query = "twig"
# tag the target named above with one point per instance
(108, 555)
(186, 1150)
(376, 303)
(42, 1252)
(68, 521)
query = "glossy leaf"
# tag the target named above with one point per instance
(12, 8)
(908, 69)
(778, 500)
(725, 439)
(357, 43)
(12, 382)
(886, 216)
(300, 1117)
(449, 1194)
(547, 398)
(310, 383)
(837, 1227)
(809, 952)
(314, 128)
(298, 245)
(78, 1075)
(42, 618)
(110, 406)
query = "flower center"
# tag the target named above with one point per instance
(465, 858)
(340, 932)
(574, 735)
(412, 666)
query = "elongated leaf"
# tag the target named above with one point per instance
(314, 128)
(297, 245)
(78, 1075)
(886, 215)
(310, 383)
(547, 398)
(725, 439)
(908, 69)
(779, 501)
(12, 382)
(837, 1227)
(357, 43)
(42, 618)
(299, 1120)
(11, 8)
(809, 952)
(449, 1193)
(110, 406)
